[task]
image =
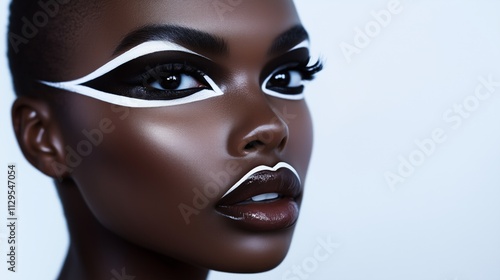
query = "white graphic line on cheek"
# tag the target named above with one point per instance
(141, 103)
(138, 51)
(214, 86)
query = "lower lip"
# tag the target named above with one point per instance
(263, 216)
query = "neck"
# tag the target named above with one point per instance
(97, 253)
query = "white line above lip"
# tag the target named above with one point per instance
(261, 168)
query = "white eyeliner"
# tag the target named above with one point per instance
(142, 50)
(303, 44)
(262, 168)
(136, 52)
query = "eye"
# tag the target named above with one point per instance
(284, 83)
(128, 80)
(173, 81)
(285, 79)
(287, 82)
(176, 81)
(168, 84)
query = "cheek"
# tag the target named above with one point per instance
(153, 160)
(147, 166)
(298, 119)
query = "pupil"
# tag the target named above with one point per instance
(281, 79)
(171, 81)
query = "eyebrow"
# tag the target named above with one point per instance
(204, 41)
(288, 39)
(188, 37)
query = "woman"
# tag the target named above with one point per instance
(176, 131)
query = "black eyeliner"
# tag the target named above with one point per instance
(133, 78)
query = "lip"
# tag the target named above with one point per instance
(274, 214)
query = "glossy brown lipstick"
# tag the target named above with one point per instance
(264, 199)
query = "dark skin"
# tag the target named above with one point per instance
(122, 200)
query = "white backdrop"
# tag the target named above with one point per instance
(418, 97)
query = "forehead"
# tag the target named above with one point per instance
(248, 26)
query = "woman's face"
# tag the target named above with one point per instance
(156, 175)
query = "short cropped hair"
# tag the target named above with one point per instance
(40, 36)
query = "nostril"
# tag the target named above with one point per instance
(282, 144)
(253, 145)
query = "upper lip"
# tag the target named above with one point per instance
(281, 179)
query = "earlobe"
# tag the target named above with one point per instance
(38, 135)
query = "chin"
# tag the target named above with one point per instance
(256, 252)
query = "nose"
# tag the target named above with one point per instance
(259, 128)
(265, 138)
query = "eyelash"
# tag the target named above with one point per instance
(148, 92)
(307, 73)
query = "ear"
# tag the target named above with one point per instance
(39, 136)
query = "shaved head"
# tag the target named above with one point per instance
(42, 36)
